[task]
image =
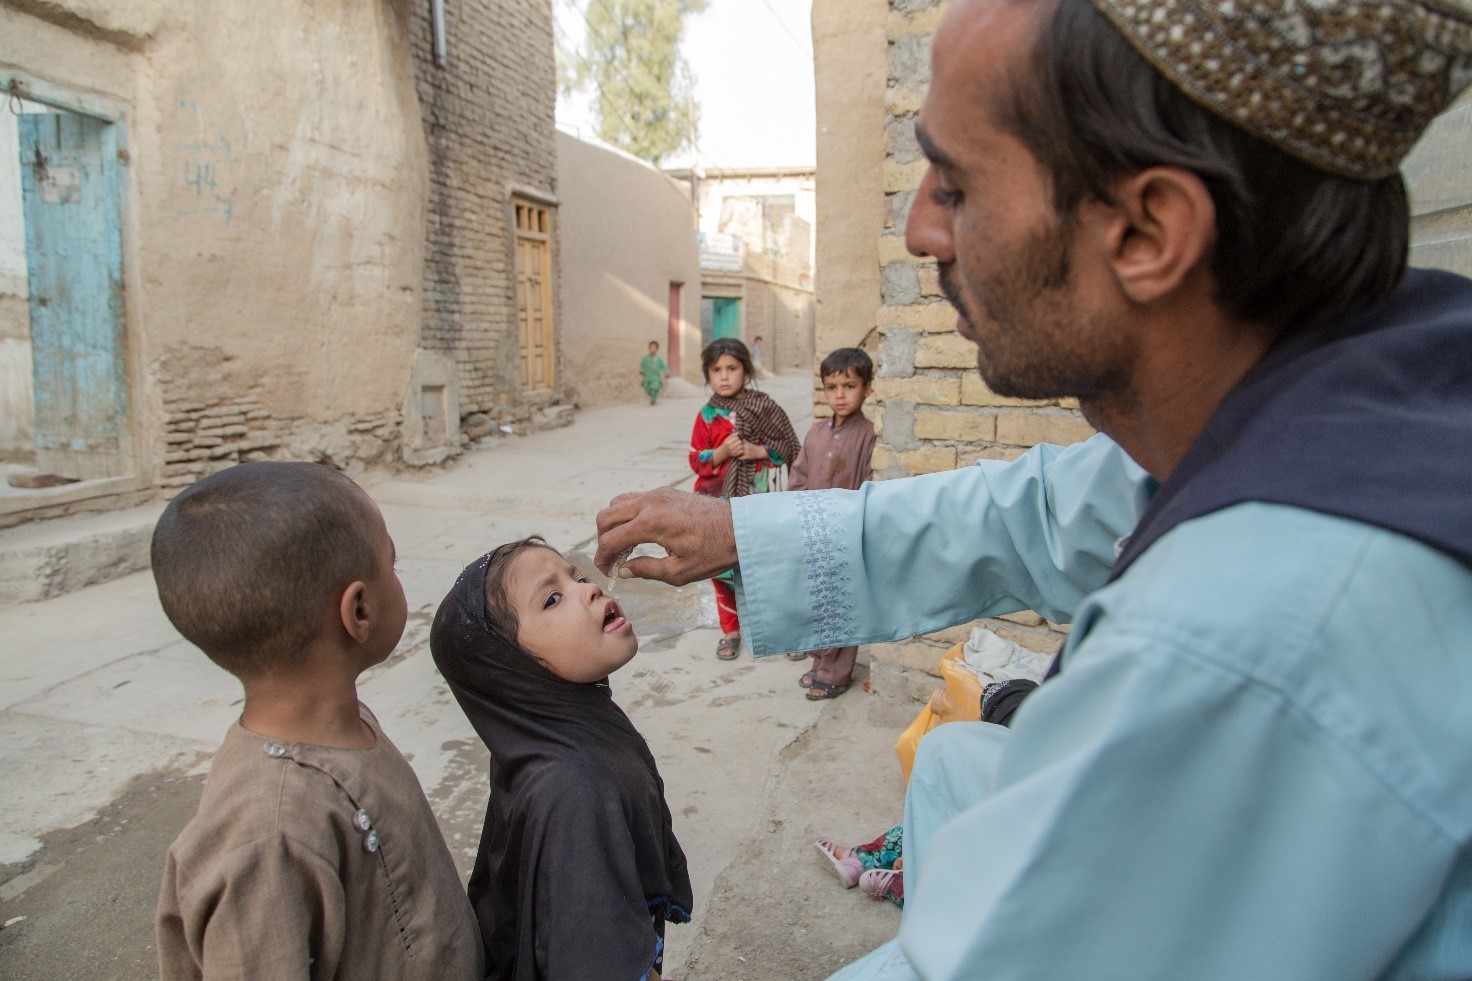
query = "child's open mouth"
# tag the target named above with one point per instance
(613, 619)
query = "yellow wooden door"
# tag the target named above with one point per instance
(534, 296)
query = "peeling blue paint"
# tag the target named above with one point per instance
(70, 187)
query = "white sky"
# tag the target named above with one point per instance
(753, 67)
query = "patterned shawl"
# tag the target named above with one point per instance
(758, 419)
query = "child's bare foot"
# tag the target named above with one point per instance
(845, 864)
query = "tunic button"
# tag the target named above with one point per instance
(370, 843)
(362, 821)
(274, 750)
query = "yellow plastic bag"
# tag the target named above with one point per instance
(958, 701)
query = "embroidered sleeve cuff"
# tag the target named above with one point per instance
(797, 590)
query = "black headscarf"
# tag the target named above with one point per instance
(577, 858)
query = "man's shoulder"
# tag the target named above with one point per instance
(1265, 557)
(1355, 631)
(1267, 587)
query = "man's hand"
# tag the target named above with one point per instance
(694, 529)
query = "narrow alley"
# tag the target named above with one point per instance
(106, 738)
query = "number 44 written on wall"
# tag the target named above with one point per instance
(207, 152)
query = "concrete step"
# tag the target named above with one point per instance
(44, 559)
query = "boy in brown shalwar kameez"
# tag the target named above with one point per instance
(314, 852)
(836, 454)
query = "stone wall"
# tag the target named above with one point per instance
(1439, 172)
(488, 119)
(931, 407)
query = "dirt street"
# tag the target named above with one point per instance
(108, 720)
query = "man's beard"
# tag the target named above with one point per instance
(1033, 344)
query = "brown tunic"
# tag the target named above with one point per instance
(835, 455)
(310, 862)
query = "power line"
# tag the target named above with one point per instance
(806, 50)
(596, 84)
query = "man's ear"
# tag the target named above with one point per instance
(353, 611)
(1162, 230)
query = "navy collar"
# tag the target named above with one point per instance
(1368, 418)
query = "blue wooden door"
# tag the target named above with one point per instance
(70, 195)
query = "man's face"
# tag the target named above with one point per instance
(1030, 285)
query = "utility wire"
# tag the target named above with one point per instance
(806, 50)
(572, 49)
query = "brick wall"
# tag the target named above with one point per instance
(1439, 173)
(931, 408)
(778, 299)
(488, 120)
(214, 418)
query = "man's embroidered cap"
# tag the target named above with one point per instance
(1346, 85)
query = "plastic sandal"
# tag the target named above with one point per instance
(883, 884)
(847, 869)
(729, 648)
(820, 691)
(806, 681)
(796, 655)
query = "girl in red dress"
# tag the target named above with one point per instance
(740, 442)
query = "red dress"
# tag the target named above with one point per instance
(712, 426)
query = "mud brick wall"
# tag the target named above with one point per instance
(488, 120)
(213, 421)
(931, 408)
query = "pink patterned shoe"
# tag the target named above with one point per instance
(884, 884)
(847, 868)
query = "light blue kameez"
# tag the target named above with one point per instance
(1257, 762)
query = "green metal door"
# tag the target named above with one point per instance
(725, 317)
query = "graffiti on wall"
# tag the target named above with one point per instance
(208, 185)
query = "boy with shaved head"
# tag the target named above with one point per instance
(313, 853)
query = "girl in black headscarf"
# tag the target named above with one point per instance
(578, 867)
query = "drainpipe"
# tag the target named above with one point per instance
(437, 16)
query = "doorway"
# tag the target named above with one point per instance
(534, 296)
(720, 316)
(673, 338)
(65, 412)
